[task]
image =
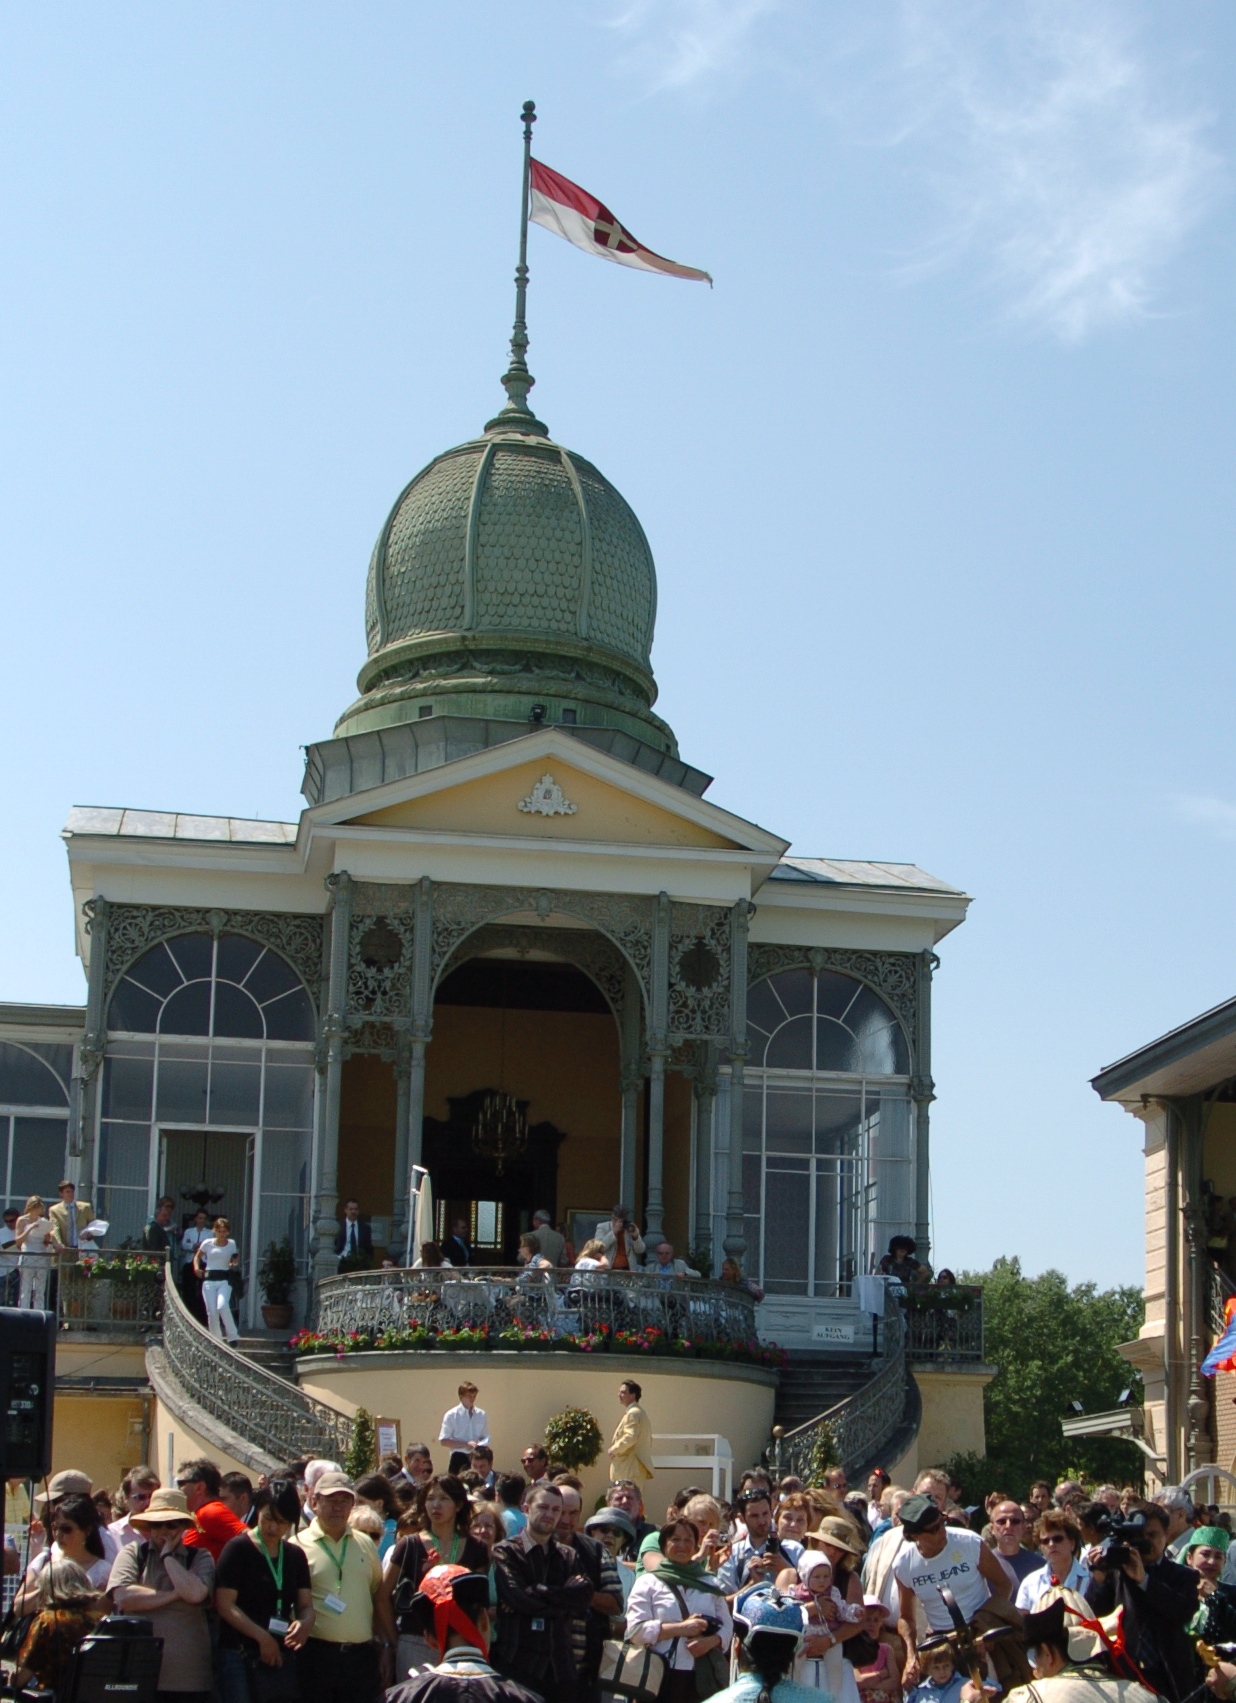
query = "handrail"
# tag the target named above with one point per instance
(858, 1427)
(274, 1415)
(558, 1301)
(936, 1330)
(117, 1292)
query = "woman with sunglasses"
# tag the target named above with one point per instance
(74, 1527)
(1058, 1536)
(162, 1581)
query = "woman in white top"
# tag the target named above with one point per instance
(212, 1262)
(76, 1536)
(675, 1609)
(34, 1236)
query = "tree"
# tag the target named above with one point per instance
(1052, 1346)
(573, 1437)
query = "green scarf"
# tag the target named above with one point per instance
(688, 1576)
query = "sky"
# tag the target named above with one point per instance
(937, 477)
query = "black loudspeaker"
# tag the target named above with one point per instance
(27, 1378)
(117, 1663)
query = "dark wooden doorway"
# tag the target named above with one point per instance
(461, 1175)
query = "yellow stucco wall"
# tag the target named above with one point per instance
(172, 1441)
(99, 1431)
(491, 806)
(520, 1392)
(952, 1420)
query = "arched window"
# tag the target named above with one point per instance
(209, 1083)
(34, 1119)
(196, 984)
(826, 1131)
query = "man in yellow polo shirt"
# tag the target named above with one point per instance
(350, 1655)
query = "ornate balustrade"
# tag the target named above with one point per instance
(265, 1409)
(856, 1429)
(119, 1293)
(944, 1324)
(502, 1307)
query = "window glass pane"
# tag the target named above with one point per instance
(271, 976)
(289, 1097)
(236, 1013)
(829, 1242)
(752, 1224)
(38, 1157)
(187, 1012)
(237, 956)
(175, 1046)
(787, 1211)
(124, 1211)
(134, 1009)
(835, 1047)
(892, 1205)
(128, 1088)
(753, 1120)
(285, 1163)
(835, 993)
(181, 1094)
(290, 1018)
(764, 1010)
(33, 1075)
(284, 1215)
(793, 988)
(124, 1157)
(235, 1093)
(790, 1047)
(193, 952)
(882, 1046)
(838, 1123)
(789, 1121)
(156, 971)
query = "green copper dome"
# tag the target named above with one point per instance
(511, 582)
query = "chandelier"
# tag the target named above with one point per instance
(500, 1132)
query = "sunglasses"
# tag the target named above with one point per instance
(1010, 1520)
(1053, 1537)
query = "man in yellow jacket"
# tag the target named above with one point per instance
(630, 1453)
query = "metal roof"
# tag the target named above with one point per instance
(849, 872)
(175, 825)
(1187, 1060)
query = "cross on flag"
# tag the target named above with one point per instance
(569, 211)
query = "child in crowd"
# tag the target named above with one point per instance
(879, 1678)
(822, 1664)
(941, 1682)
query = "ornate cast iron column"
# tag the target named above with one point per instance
(923, 1092)
(334, 1025)
(735, 1243)
(632, 1081)
(658, 1046)
(417, 1041)
(705, 1090)
(1198, 1443)
(84, 1089)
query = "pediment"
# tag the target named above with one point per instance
(551, 787)
(546, 801)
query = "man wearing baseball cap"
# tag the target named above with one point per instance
(351, 1649)
(938, 1558)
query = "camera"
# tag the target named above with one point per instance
(712, 1625)
(1121, 1537)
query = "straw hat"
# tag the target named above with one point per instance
(837, 1531)
(164, 1508)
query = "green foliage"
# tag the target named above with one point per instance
(362, 1453)
(1051, 1345)
(700, 1259)
(573, 1437)
(823, 1455)
(277, 1273)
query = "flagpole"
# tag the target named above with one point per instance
(517, 381)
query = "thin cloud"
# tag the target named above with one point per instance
(1055, 150)
(679, 43)
(1216, 814)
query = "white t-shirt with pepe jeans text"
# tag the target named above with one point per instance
(956, 1567)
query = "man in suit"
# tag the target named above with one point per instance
(353, 1237)
(69, 1217)
(549, 1241)
(456, 1247)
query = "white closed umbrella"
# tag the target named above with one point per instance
(422, 1216)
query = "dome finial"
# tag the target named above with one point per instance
(517, 381)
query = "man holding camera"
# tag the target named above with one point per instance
(757, 1558)
(1159, 1597)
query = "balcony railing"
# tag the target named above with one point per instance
(944, 1324)
(618, 1306)
(118, 1293)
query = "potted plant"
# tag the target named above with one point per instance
(276, 1276)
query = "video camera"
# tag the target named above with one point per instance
(1121, 1536)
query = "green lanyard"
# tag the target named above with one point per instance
(342, 1555)
(456, 1544)
(276, 1572)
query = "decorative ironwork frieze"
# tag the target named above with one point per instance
(891, 974)
(133, 929)
(699, 971)
(596, 956)
(380, 965)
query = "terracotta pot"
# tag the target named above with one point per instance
(277, 1317)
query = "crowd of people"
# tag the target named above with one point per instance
(35, 1240)
(309, 1585)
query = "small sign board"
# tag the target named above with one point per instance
(832, 1333)
(389, 1442)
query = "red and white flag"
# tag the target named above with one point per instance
(563, 207)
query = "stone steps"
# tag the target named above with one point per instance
(271, 1353)
(811, 1384)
